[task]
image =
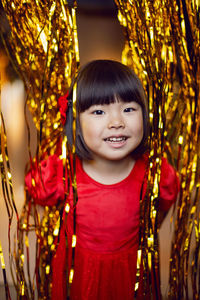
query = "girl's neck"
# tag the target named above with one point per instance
(108, 172)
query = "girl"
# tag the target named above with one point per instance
(111, 161)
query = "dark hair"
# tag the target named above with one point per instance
(102, 82)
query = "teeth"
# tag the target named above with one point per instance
(116, 139)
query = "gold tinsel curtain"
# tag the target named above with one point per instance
(163, 46)
(43, 47)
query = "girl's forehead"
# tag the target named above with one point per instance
(116, 101)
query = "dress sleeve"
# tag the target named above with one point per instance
(45, 181)
(169, 185)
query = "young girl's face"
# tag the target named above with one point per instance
(112, 131)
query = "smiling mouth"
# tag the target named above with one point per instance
(116, 139)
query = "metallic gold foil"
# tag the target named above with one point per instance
(161, 38)
(43, 47)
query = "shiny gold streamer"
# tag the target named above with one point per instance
(185, 19)
(147, 48)
(161, 37)
(43, 46)
(163, 46)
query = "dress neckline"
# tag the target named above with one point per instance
(135, 171)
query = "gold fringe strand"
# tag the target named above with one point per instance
(43, 46)
(163, 47)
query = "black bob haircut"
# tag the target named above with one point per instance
(104, 82)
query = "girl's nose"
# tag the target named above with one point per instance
(116, 122)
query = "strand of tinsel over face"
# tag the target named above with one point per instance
(43, 45)
(148, 50)
(179, 25)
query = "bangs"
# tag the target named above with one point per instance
(106, 82)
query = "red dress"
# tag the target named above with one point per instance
(107, 219)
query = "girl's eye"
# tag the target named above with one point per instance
(129, 109)
(98, 112)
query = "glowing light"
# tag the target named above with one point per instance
(67, 208)
(149, 260)
(2, 257)
(22, 258)
(24, 226)
(150, 241)
(180, 140)
(9, 175)
(56, 232)
(47, 269)
(50, 239)
(43, 38)
(22, 288)
(71, 275)
(33, 182)
(73, 240)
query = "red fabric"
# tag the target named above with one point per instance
(102, 276)
(59, 269)
(108, 215)
(107, 221)
(48, 188)
(63, 105)
(169, 185)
